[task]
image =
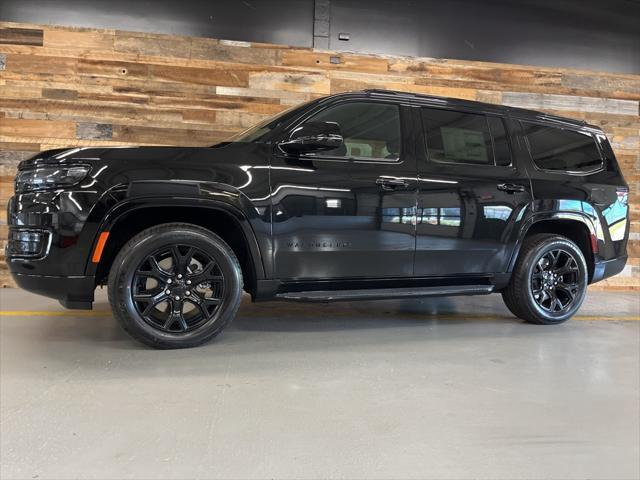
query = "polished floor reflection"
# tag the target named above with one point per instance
(440, 388)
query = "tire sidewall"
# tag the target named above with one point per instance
(533, 256)
(126, 266)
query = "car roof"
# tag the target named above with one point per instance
(432, 100)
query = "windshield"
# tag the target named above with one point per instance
(258, 132)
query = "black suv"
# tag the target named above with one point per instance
(364, 195)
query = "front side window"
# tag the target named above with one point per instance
(458, 137)
(558, 149)
(369, 129)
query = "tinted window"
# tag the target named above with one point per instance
(564, 150)
(370, 130)
(457, 137)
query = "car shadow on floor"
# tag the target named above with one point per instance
(290, 317)
(273, 332)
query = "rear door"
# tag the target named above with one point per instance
(471, 195)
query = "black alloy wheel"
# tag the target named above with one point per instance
(555, 280)
(175, 285)
(549, 281)
(177, 289)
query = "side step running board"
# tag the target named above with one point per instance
(382, 293)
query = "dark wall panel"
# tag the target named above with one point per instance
(591, 34)
(288, 22)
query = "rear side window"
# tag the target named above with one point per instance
(459, 137)
(558, 149)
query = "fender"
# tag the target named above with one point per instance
(588, 221)
(124, 199)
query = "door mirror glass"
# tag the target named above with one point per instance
(313, 137)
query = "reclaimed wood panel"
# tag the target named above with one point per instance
(63, 86)
(21, 36)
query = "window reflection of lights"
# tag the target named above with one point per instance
(67, 153)
(433, 180)
(295, 169)
(497, 212)
(300, 187)
(398, 215)
(74, 201)
(445, 216)
(415, 179)
(246, 168)
(249, 179)
(616, 215)
(102, 169)
(334, 203)
(618, 230)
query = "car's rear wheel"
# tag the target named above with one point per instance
(175, 286)
(549, 282)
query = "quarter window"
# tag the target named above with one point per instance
(459, 137)
(564, 150)
(370, 130)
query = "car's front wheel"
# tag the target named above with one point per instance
(175, 286)
(549, 282)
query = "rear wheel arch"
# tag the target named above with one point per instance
(219, 219)
(548, 284)
(575, 227)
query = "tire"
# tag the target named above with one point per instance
(549, 282)
(175, 285)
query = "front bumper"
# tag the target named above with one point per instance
(50, 232)
(71, 292)
(48, 245)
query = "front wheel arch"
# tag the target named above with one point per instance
(174, 311)
(217, 219)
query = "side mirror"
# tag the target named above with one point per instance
(313, 137)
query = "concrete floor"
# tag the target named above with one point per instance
(356, 390)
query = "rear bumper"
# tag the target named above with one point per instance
(71, 292)
(608, 268)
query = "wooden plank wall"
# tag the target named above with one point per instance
(63, 86)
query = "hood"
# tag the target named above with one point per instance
(59, 156)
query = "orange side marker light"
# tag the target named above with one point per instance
(102, 241)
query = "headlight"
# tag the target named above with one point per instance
(49, 177)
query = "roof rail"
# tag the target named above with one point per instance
(388, 92)
(543, 115)
(558, 118)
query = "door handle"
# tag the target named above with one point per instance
(510, 187)
(390, 183)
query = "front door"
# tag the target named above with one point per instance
(471, 194)
(349, 212)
